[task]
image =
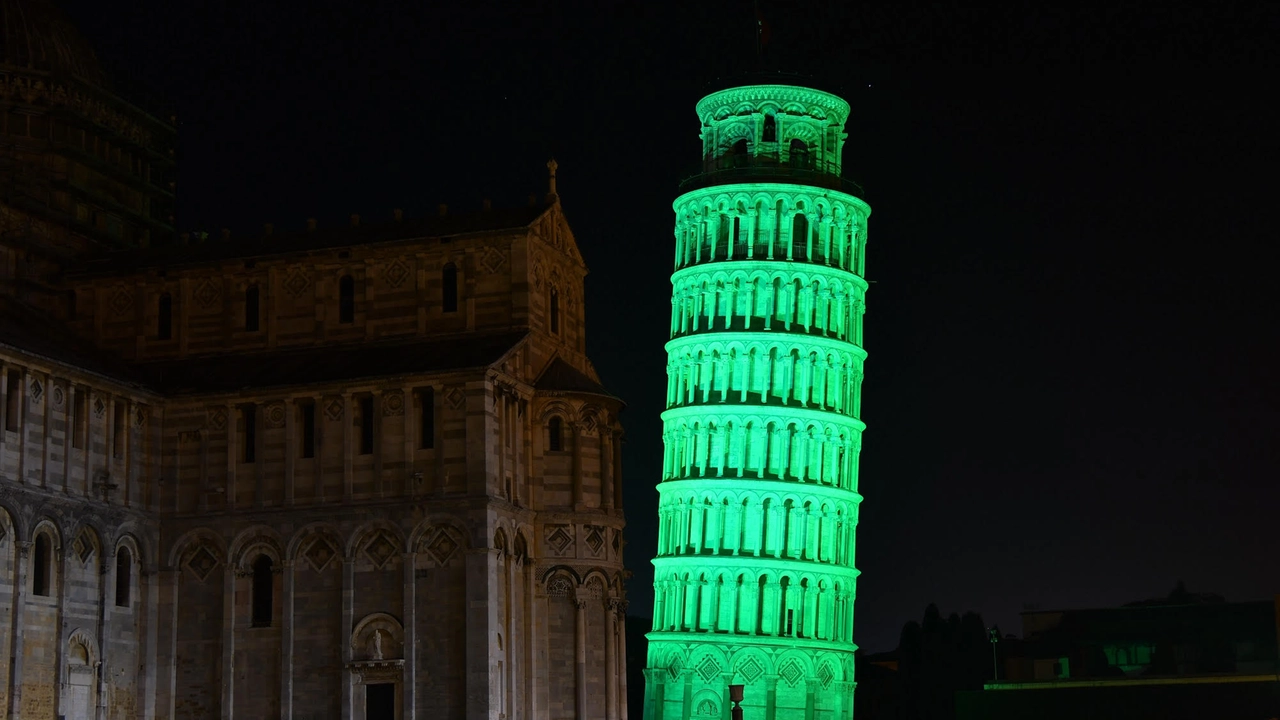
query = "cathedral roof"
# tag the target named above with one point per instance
(561, 377)
(328, 363)
(304, 241)
(37, 36)
(31, 331)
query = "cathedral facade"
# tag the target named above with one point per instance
(354, 472)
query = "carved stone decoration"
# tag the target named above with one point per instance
(396, 273)
(121, 301)
(378, 637)
(493, 260)
(274, 415)
(393, 403)
(708, 668)
(559, 538)
(826, 675)
(791, 672)
(595, 539)
(139, 416)
(559, 587)
(57, 396)
(202, 563)
(99, 407)
(750, 669)
(217, 418)
(333, 408)
(83, 546)
(208, 293)
(617, 543)
(320, 553)
(442, 547)
(539, 275)
(35, 391)
(455, 397)
(380, 549)
(297, 282)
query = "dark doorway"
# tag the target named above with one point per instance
(380, 701)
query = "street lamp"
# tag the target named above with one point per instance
(993, 634)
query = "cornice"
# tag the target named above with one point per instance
(773, 94)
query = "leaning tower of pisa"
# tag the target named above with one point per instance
(754, 574)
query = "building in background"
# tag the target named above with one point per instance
(1185, 655)
(754, 574)
(354, 472)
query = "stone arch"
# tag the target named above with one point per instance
(82, 648)
(743, 669)
(366, 532)
(187, 542)
(706, 704)
(252, 542)
(367, 639)
(560, 581)
(319, 543)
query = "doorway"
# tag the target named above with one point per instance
(380, 701)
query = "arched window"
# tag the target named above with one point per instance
(251, 308)
(449, 287)
(770, 133)
(347, 299)
(40, 566)
(800, 235)
(799, 153)
(124, 576)
(740, 153)
(164, 323)
(553, 310)
(262, 599)
(555, 429)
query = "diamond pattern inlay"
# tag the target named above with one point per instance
(333, 409)
(455, 397)
(675, 667)
(121, 302)
(297, 283)
(442, 547)
(202, 563)
(320, 553)
(380, 550)
(708, 668)
(791, 672)
(396, 273)
(207, 294)
(595, 540)
(37, 391)
(750, 670)
(99, 407)
(826, 675)
(559, 539)
(83, 547)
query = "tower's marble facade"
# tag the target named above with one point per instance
(754, 574)
(354, 472)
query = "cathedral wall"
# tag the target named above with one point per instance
(395, 290)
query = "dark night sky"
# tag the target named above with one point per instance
(1071, 394)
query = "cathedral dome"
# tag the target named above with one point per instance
(38, 36)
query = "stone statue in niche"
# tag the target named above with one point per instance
(377, 644)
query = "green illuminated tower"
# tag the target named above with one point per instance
(754, 576)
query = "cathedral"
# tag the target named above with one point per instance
(359, 472)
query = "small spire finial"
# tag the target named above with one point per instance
(552, 165)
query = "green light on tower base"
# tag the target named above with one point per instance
(754, 579)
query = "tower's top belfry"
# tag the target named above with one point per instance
(772, 133)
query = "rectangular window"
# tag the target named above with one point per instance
(427, 418)
(13, 395)
(366, 425)
(308, 417)
(118, 430)
(79, 416)
(250, 415)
